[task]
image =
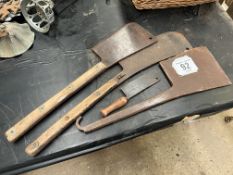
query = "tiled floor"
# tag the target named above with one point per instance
(191, 147)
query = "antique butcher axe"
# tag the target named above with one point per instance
(129, 39)
(191, 72)
(130, 90)
(167, 45)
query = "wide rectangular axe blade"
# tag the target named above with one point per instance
(194, 71)
(168, 44)
(128, 40)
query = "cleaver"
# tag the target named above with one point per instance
(129, 39)
(191, 72)
(167, 45)
(130, 90)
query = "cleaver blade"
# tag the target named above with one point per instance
(138, 85)
(130, 90)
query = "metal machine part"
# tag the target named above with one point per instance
(9, 9)
(190, 72)
(15, 39)
(130, 90)
(38, 13)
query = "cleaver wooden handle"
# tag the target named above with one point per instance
(39, 113)
(51, 133)
(122, 101)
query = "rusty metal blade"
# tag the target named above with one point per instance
(140, 84)
(129, 39)
(206, 74)
(168, 44)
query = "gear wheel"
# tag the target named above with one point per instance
(38, 13)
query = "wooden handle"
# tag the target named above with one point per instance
(114, 106)
(46, 137)
(39, 113)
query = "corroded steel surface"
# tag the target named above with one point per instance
(208, 75)
(128, 40)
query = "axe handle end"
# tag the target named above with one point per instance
(60, 125)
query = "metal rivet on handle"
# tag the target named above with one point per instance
(35, 145)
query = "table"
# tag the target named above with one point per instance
(64, 53)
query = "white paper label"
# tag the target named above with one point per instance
(184, 66)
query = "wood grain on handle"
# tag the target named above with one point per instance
(114, 106)
(46, 137)
(39, 113)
